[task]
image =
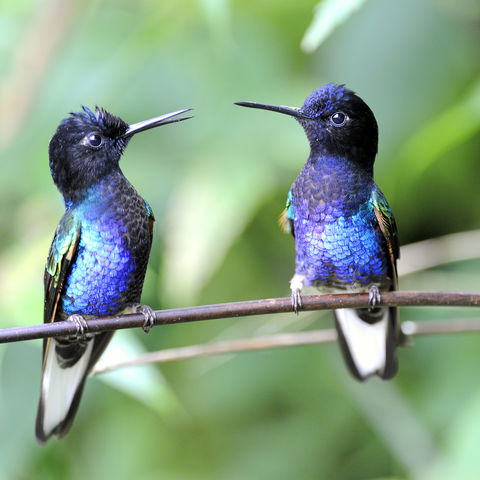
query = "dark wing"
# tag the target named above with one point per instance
(388, 227)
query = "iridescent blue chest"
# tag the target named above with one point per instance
(338, 241)
(110, 262)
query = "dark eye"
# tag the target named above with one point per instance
(338, 119)
(94, 140)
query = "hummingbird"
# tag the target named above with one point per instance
(98, 258)
(345, 234)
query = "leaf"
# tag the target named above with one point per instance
(145, 384)
(328, 15)
(451, 128)
(218, 16)
(207, 213)
(460, 453)
(392, 415)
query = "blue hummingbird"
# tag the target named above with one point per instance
(98, 257)
(345, 233)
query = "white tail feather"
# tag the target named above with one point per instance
(366, 342)
(59, 386)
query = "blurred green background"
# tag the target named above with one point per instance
(217, 184)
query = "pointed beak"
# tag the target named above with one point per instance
(292, 111)
(155, 122)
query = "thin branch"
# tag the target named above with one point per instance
(240, 309)
(312, 337)
(231, 346)
(433, 252)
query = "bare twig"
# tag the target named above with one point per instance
(240, 309)
(312, 337)
(437, 251)
(231, 346)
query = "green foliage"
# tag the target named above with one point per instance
(329, 14)
(217, 185)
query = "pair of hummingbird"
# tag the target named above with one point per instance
(345, 239)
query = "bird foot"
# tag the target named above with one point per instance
(149, 316)
(374, 298)
(296, 301)
(296, 285)
(82, 327)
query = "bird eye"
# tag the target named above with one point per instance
(94, 140)
(338, 119)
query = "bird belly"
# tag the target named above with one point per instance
(341, 253)
(101, 275)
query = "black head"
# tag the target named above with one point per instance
(336, 121)
(87, 146)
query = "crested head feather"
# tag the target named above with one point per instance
(110, 124)
(324, 99)
(75, 164)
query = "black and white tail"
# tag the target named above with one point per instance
(65, 369)
(368, 340)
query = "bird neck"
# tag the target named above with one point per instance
(323, 148)
(347, 166)
(335, 179)
(106, 187)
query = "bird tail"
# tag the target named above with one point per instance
(63, 379)
(368, 340)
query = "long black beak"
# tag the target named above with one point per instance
(292, 111)
(155, 122)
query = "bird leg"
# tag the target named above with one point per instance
(296, 285)
(149, 316)
(374, 298)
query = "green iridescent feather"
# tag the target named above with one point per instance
(62, 250)
(387, 225)
(287, 217)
